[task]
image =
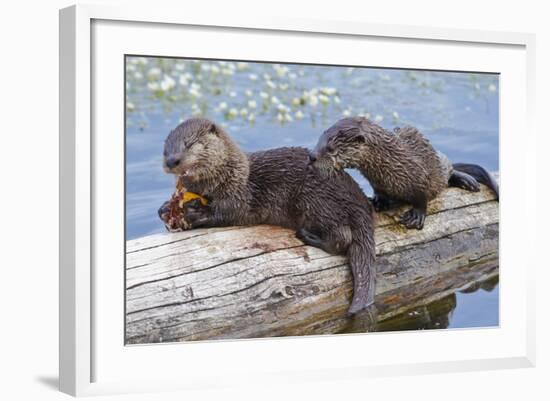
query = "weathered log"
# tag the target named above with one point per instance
(247, 282)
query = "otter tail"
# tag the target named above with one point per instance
(361, 254)
(480, 174)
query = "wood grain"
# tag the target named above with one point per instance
(247, 282)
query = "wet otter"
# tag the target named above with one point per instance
(278, 187)
(402, 167)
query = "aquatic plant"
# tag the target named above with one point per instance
(245, 93)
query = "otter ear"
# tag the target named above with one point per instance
(213, 129)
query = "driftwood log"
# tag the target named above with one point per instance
(246, 282)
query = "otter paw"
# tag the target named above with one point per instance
(470, 185)
(308, 238)
(197, 216)
(164, 211)
(413, 218)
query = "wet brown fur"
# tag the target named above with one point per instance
(401, 166)
(279, 187)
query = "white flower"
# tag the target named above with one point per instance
(183, 80)
(252, 77)
(232, 94)
(296, 101)
(248, 92)
(283, 87)
(267, 77)
(282, 108)
(281, 70)
(313, 91)
(328, 91)
(194, 92)
(264, 95)
(227, 71)
(288, 117)
(205, 67)
(395, 115)
(324, 99)
(195, 86)
(244, 112)
(492, 88)
(233, 112)
(242, 66)
(252, 104)
(378, 118)
(130, 67)
(154, 73)
(130, 106)
(292, 75)
(138, 75)
(251, 117)
(299, 115)
(274, 100)
(313, 100)
(222, 106)
(271, 84)
(154, 86)
(180, 66)
(346, 113)
(280, 117)
(336, 100)
(167, 83)
(215, 69)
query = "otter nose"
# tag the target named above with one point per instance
(172, 162)
(312, 157)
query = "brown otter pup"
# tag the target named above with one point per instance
(402, 167)
(278, 187)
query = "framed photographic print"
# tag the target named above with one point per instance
(256, 191)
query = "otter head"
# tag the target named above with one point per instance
(340, 146)
(195, 149)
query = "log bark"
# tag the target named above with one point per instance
(260, 281)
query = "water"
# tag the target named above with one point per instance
(266, 105)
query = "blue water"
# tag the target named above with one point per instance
(264, 105)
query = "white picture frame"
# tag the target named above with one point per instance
(83, 351)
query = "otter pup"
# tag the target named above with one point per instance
(402, 167)
(278, 187)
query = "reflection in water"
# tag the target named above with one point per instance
(439, 314)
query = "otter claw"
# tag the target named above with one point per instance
(471, 186)
(413, 218)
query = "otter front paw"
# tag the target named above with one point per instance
(197, 216)
(164, 211)
(414, 218)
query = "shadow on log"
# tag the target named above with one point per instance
(249, 282)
